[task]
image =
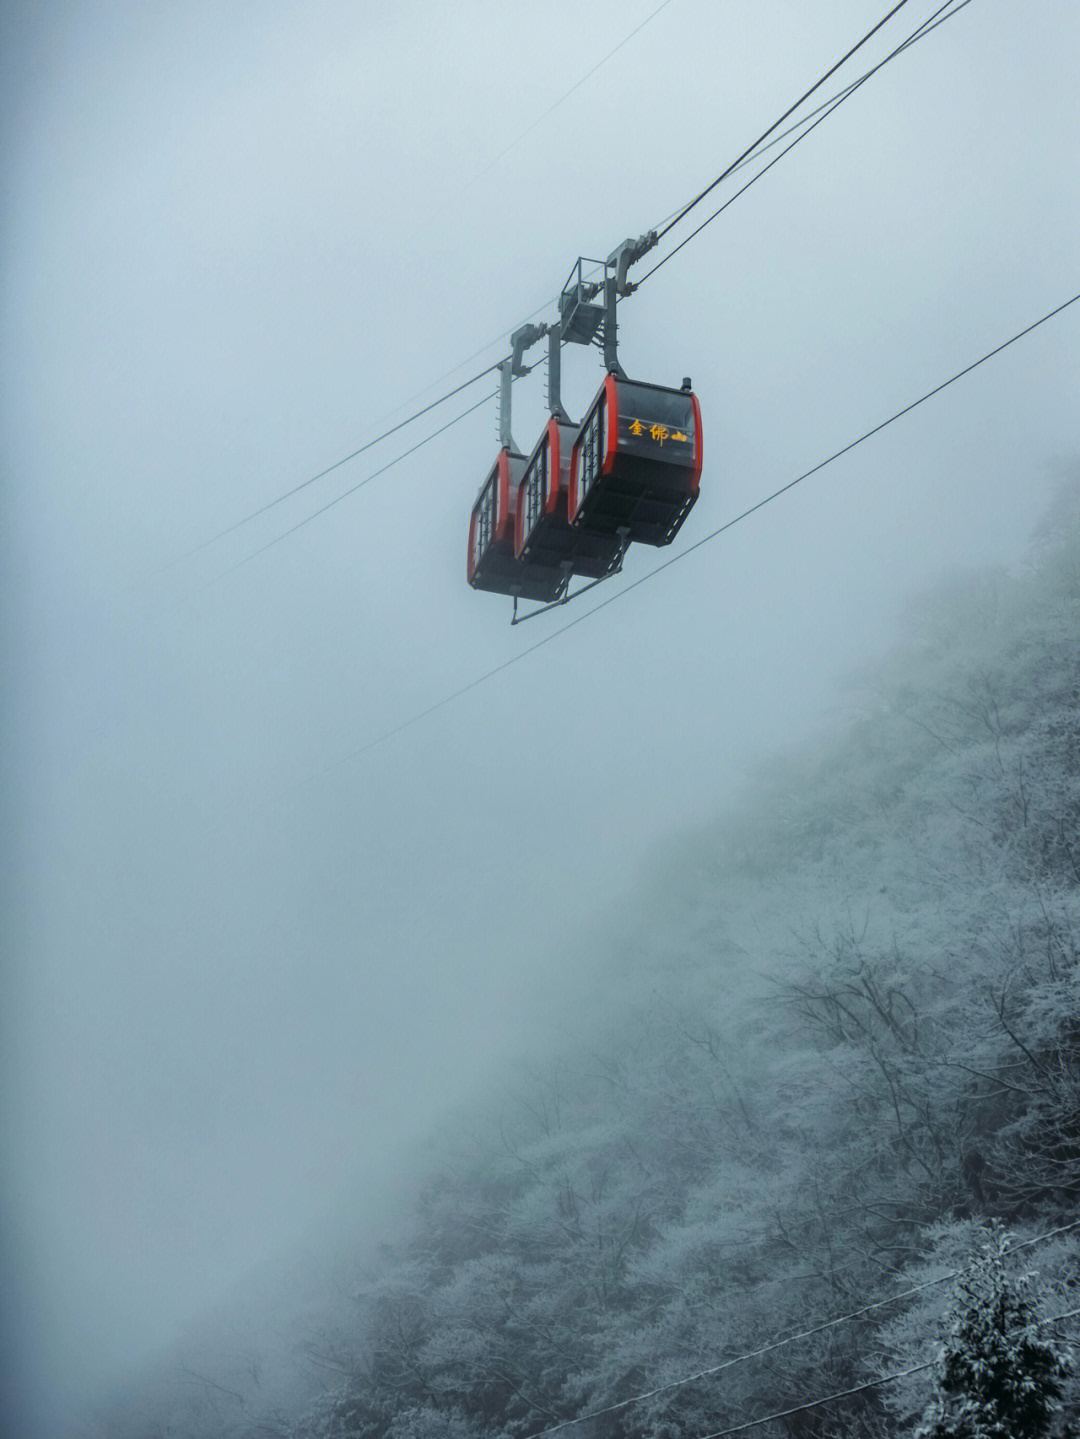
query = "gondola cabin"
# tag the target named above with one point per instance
(636, 464)
(492, 564)
(544, 540)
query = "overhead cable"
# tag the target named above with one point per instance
(749, 1424)
(346, 493)
(919, 34)
(937, 18)
(789, 1339)
(661, 228)
(369, 444)
(567, 93)
(680, 214)
(746, 158)
(931, 23)
(386, 434)
(675, 559)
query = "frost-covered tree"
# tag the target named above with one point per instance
(839, 1029)
(997, 1377)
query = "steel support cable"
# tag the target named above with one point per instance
(931, 23)
(346, 493)
(924, 29)
(937, 18)
(675, 559)
(680, 214)
(664, 225)
(386, 434)
(746, 158)
(369, 444)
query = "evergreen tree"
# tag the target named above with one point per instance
(997, 1379)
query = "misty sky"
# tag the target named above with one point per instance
(246, 964)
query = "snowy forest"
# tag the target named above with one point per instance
(819, 1125)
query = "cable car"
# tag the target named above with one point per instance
(543, 537)
(492, 564)
(630, 472)
(636, 464)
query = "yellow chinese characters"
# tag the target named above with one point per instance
(658, 432)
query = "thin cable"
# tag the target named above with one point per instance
(830, 105)
(825, 1399)
(555, 634)
(790, 1339)
(931, 24)
(745, 158)
(345, 494)
(500, 338)
(777, 123)
(662, 227)
(344, 460)
(576, 86)
(862, 1388)
(492, 163)
(794, 1338)
(920, 34)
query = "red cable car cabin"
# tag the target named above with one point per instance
(543, 536)
(637, 461)
(492, 564)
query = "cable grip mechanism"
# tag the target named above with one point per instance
(627, 254)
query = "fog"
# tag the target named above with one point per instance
(250, 959)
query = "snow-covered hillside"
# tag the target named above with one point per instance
(839, 1035)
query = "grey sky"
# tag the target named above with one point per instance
(238, 240)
